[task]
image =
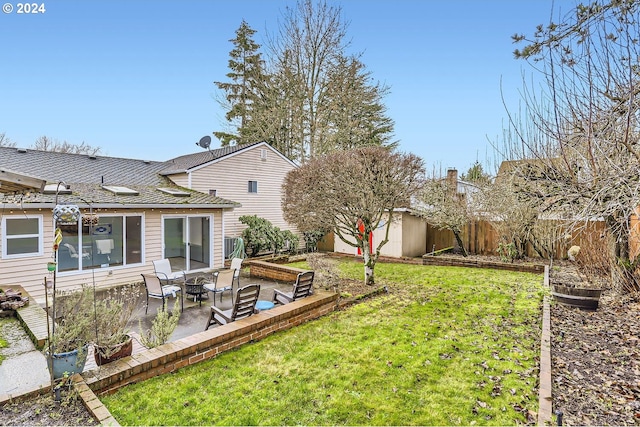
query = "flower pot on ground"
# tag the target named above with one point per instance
(113, 311)
(572, 289)
(69, 363)
(584, 298)
(108, 354)
(70, 333)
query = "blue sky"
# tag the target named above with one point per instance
(136, 77)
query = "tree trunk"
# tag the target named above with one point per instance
(623, 268)
(456, 233)
(369, 265)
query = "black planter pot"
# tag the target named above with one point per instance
(586, 299)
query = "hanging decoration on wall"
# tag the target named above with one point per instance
(66, 214)
(90, 219)
(57, 239)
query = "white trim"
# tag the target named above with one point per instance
(186, 217)
(224, 248)
(39, 235)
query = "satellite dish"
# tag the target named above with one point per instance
(205, 142)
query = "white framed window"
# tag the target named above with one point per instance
(22, 236)
(115, 240)
(253, 187)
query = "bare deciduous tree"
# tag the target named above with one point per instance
(5, 141)
(353, 193)
(445, 208)
(44, 143)
(582, 130)
(518, 219)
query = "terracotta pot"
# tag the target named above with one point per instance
(125, 350)
(586, 299)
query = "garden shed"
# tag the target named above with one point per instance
(407, 236)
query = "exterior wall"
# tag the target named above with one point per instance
(407, 237)
(30, 272)
(181, 179)
(343, 248)
(229, 177)
(414, 236)
(393, 247)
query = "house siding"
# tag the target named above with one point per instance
(407, 237)
(30, 272)
(229, 177)
(414, 236)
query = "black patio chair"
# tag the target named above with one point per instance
(301, 289)
(244, 306)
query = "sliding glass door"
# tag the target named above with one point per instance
(187, 242)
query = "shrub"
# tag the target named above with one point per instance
(507, 252)
(326, 271)
(162, 326)
(311, 239)
(260, 235)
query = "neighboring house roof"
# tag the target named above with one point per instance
(193, 161)
(89, 175)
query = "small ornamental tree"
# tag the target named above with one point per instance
(353, 193)
(445, 208)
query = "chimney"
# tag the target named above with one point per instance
(452, 177)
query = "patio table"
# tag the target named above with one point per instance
(194, 286)
(264, 305)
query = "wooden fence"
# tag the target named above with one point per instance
(479, 237)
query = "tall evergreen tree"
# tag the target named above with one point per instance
(353, 114)
(246, 72)
(308, 97)
(476, 174)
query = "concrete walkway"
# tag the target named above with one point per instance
(25, 368)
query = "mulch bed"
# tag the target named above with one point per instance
(595, 357)
(45, 411)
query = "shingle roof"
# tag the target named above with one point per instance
(86, 175)
(189, 161)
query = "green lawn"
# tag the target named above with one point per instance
(446, 346)
(3, 341)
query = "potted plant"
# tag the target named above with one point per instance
(569, 287)
(70, 334)
(112, 315)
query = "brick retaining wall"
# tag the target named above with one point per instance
(268, 270)
(458, 262)
(206, 345)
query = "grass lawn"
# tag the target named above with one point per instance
(446, 346)
(3, 342)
